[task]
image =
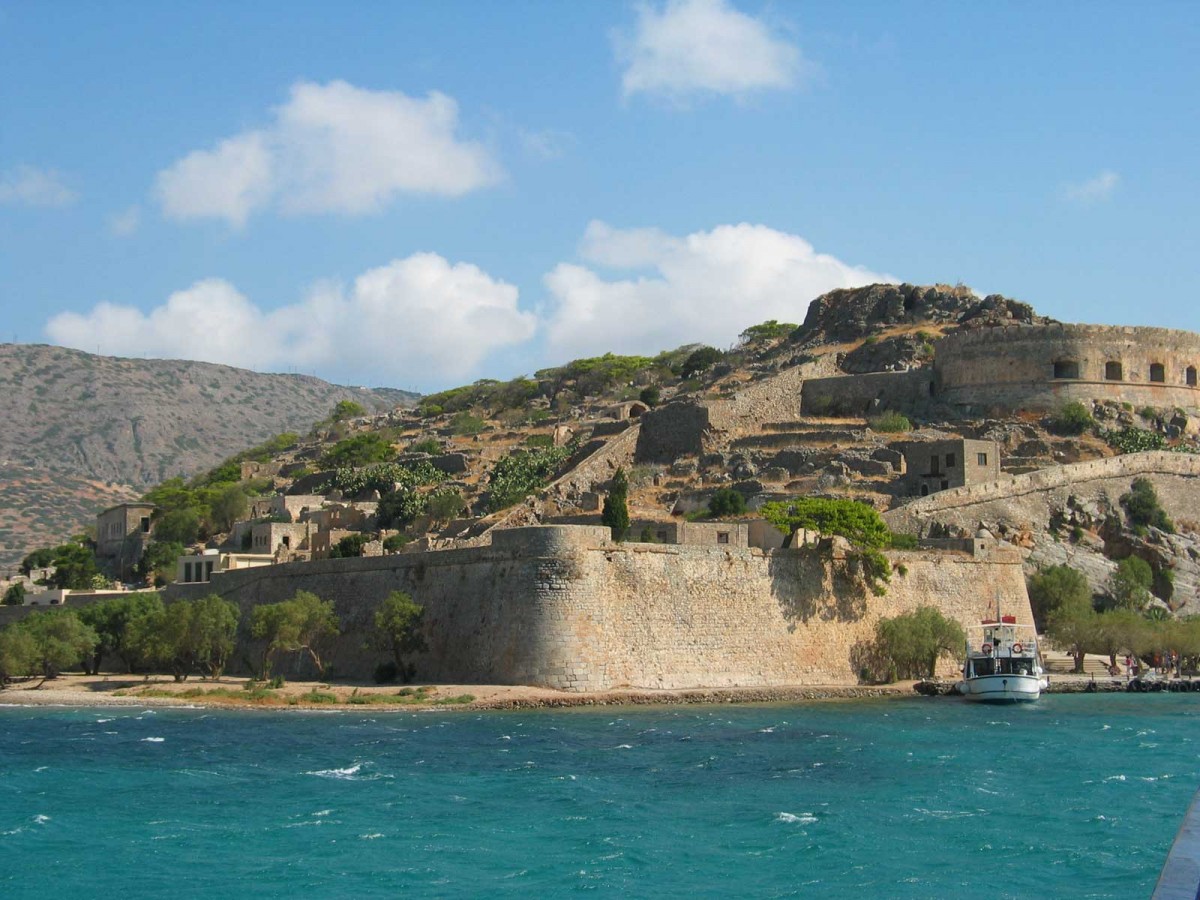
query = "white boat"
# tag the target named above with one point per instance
(1003, 664)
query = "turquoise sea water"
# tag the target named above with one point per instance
(1077, 796)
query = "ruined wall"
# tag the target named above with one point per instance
(861, 394)
(563, 607)
(1014, 367)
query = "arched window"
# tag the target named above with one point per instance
(1158, 372)
(1112, 371)
(1190, 376)
(1066, 368)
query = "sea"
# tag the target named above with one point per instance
(1074, 796)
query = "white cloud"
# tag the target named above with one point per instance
(31, 186)
(332, 148)
(1094, 189)
(691, 47)
(418, 319)
(707, 286)
(547, 144)
(125, 222)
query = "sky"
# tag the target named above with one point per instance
(417, 195)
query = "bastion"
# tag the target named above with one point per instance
(565, 607)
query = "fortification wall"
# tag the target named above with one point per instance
(1026, 500)
(874, 392)
(1014, 367)
(562, 607)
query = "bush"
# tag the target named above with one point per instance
(432, 446)
(521, 473)
(857, 522)
(726, 502)
(1055, 587)
(1129, 586)
(1072, 419)
(360, 450)
(616, 506)
(15, 595)
(1142, 506)
(394, 542)
(540, 441)
(1134, 440)
(651, 395)
(465, 424)
(699, 360)
(890, 423)
(769, 330)
(903, 541)
(350, 546)
(347, 409)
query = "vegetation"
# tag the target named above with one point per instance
(398, 631)
(1143, 509)
(158, 563)
(432, 446)
(74, 567)
(699, 360)
(114, 620)
(910, 644)
(521, 473)
(383, 477)
(444, 504)
(859, 523)
(394, 542)
(303, 624)
(726, 502)
(45, 644)
(350, 546)
(360, 450)
(186, 636)
(465, 423)
(890, 423)
(769, 330)
(1071, 627)
(1129, 586)
(651, 395)
(1134, 440)
(616, 506)
(15, 595)
(347, 409)
(1055, 587)
(1072, 419)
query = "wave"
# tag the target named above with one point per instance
(153, 740)
(805, 818)
(349, 773)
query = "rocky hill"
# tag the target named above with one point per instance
(82, 431)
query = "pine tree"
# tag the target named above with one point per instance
(616, 506)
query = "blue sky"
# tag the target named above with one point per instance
(418, 195)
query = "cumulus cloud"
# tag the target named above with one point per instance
(696, 47)
(332, 148)
(31, 186)
(417, 319)
(1094, 189)
(707, 286)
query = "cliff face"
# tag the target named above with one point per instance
(123, 425)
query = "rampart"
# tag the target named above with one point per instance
(1027, 499)
(564, 607)
(863, 394)
(1041, 367)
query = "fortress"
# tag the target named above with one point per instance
(1029, 367)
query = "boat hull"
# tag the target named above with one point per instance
(1001, 688)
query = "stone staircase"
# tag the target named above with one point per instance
(1059, 663)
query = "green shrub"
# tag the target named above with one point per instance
(466, 424)
(394, 542)
(651, 395)
(857, 522)
(432, 446)
(699, 360)
(616, 506)
(350, 546)
(360, 450)
(910, 644)
(890, 423)
(1056, 587)
(902, 541)
(521, 473)
(1148, 412)
(540, 441)
(1142, 506)
(1134, 440)
(1072, 419)
(726, 502)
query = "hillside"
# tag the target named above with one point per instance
(82, 431)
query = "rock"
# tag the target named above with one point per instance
(893, 458)
(683, 467)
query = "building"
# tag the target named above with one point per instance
(934, 466)
(122, 533)
(199, 567)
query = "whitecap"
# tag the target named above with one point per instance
(623, 747)
(346, 773)
(41, 768)
(153, 740)
(1115, 778)
(943, 813)
(805, 818)
(371, 837)
(322, 812)
(103, 721)
(770, 730)
(41, 820)
(1105, 727)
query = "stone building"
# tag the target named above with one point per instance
(934, 466)
(122, 533)
(199, 568)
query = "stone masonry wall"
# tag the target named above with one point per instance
(1013, 367)
(563, 607)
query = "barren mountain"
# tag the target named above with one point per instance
(122, 425)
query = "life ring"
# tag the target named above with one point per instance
(1017, 648)
(987, 648)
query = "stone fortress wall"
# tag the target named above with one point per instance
(1041, 367)
(565, 607)
(1028, 367)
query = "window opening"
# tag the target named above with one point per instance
(1066, 368)
(1112, 371)
(722, 537)
(1158, 372)
(1190, 376)
(949, 460)
(981, 458)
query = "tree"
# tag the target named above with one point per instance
(1117, 630)
(399, 508)
(75, 567)
(360, 450)
(38, 559)
(857, 522)
(699, 360)
(228, 506)
(726, 502)
(350, 546)
(1072, 627)
(178, 526)
(213, 633)
(347, 409)
(18, 654)
(158, 563)
(301, 624)
(912, 643)
(61, 639)
(1129, 586)
(769, 330)
(1053, 587)
(397, 631)
(15, 595)
(616, 506)
(444, 504)
(111, 619)
(651, 395)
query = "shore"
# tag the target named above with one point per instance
(239, 693)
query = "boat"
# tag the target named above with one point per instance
(1003, 664)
